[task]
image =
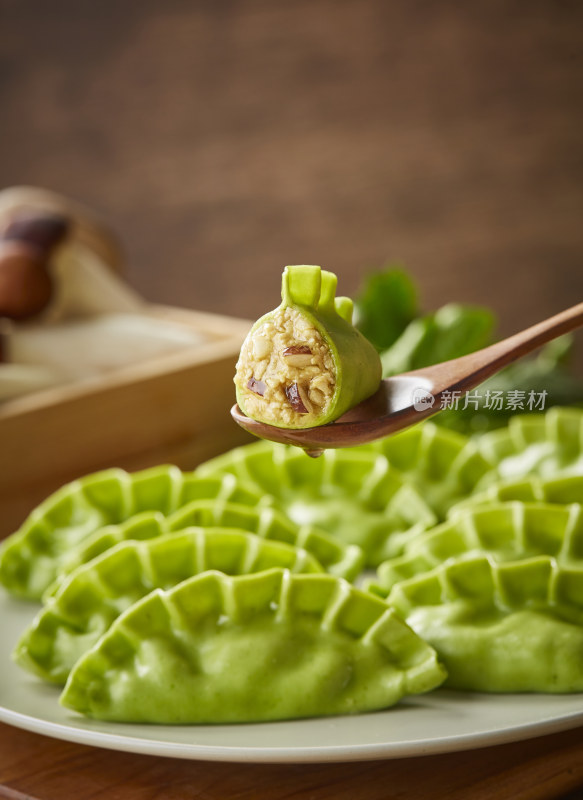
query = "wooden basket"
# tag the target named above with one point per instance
(168, 410)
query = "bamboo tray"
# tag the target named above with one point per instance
(172, 409)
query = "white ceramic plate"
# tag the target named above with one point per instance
(439, 722)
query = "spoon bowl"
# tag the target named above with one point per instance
(406, 399)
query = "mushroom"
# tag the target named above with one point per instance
(26, 246)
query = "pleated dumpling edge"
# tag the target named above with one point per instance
(269, 646)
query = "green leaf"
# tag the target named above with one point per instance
(452, 331)
(387, 303)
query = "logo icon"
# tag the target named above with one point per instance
(422, 399)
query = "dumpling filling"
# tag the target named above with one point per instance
(286, 371)
(305, 364)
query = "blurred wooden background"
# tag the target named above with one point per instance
(226, 139)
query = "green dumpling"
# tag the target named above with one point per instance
(353, 494)
(305, 364)
(444, 466)
(340, 559)
(548, 445)
(500, 627)
(563, 490)
(31, 557)
(346, 561)
(96, 593)
(337, 557)
(269, 646)
(506, 531)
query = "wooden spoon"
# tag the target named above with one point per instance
(406, 399)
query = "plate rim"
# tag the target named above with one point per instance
(292, 755)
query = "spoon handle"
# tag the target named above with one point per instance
(463, 374)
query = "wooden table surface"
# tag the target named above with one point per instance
(225, 140)
(34, 767)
